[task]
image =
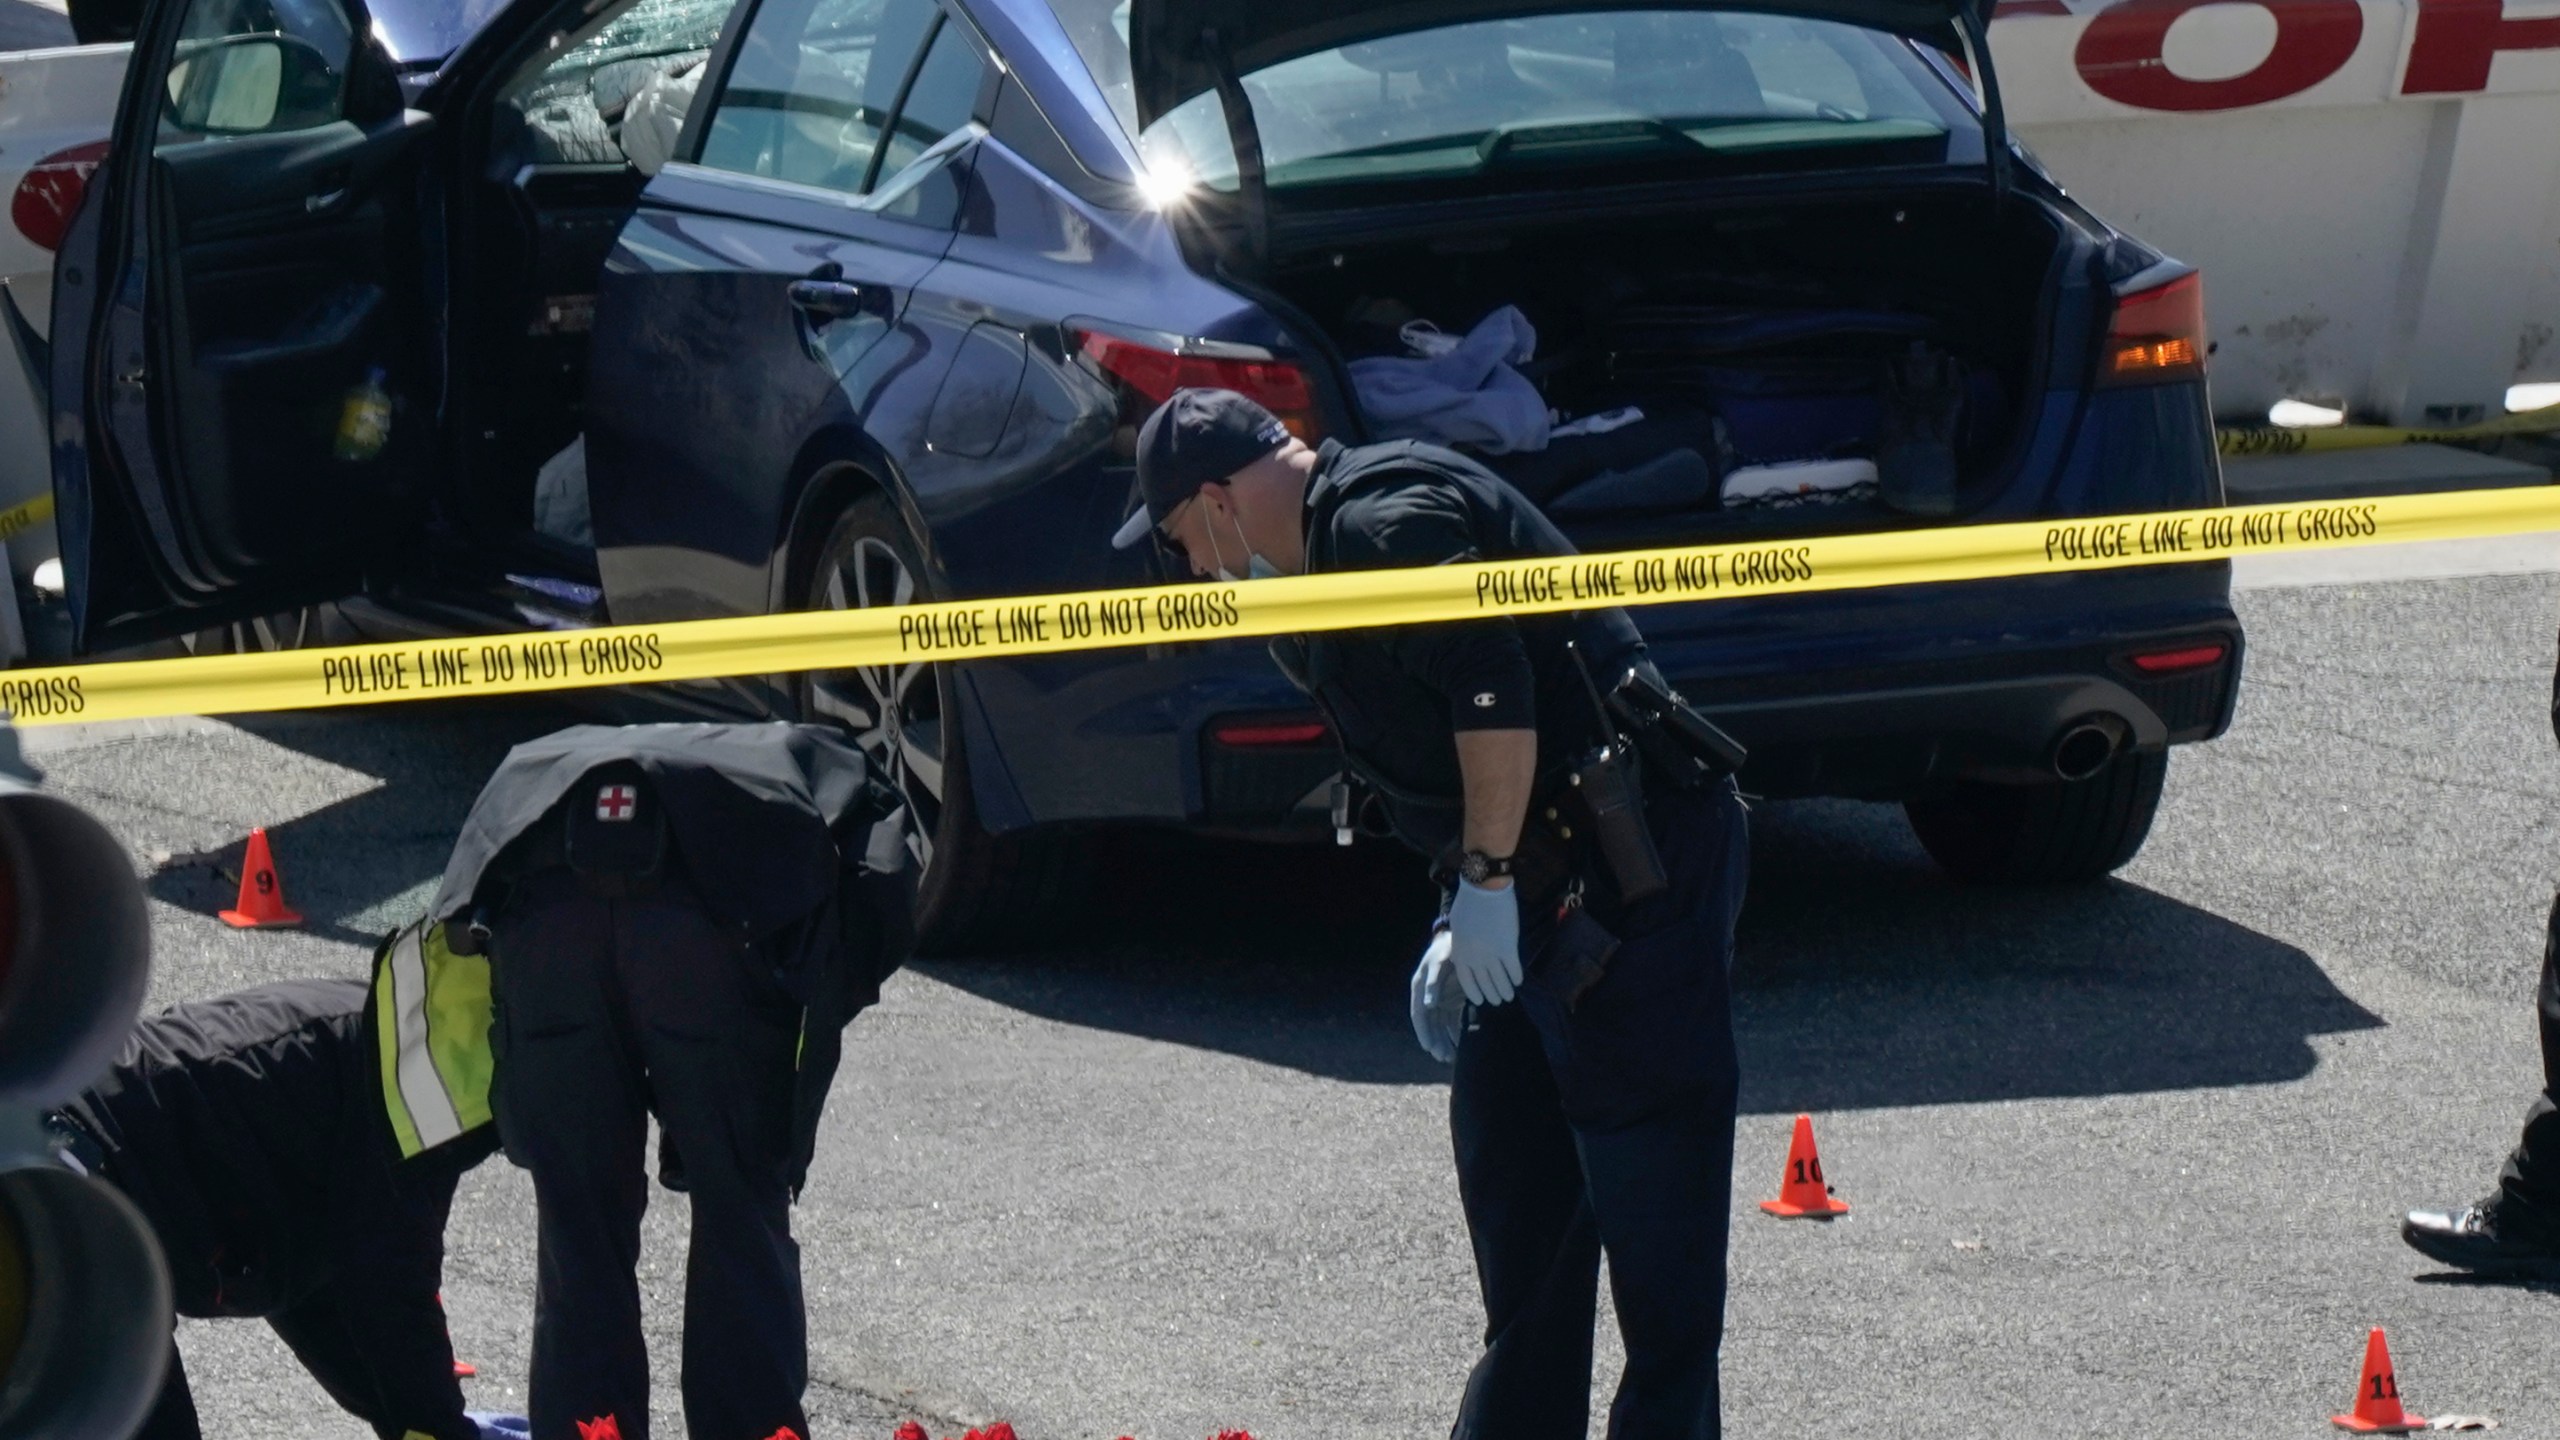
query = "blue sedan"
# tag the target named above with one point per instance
(549, 313)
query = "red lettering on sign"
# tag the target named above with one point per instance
(2455, 39)
(2119, 54)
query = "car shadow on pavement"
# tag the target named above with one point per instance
(365, 864)
(1294, 955)
(1865, 977)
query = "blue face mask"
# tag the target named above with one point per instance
(1255, 567)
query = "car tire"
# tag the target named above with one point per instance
(977, 891)
(2055, 832)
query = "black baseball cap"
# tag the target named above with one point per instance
(1196, 438)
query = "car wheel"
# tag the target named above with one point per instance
(2053, 832)
(975, 891)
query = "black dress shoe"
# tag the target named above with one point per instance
(2472, 1239)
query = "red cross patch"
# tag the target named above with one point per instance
(617, 802)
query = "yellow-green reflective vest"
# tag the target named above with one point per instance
(431, 1014)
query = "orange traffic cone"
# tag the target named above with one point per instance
(1802, 1195)
(2378, 1396)
(261, 890)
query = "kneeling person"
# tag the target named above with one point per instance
(286, 1181)
(1592, 1107)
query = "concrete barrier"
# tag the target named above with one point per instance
(2372, 187)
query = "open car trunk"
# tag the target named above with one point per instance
(1818, 365)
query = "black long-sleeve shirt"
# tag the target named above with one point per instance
(1398, 697)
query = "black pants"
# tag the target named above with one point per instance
(2530, 1184)
(607, 1010)
(1609, 1130)
(328, 1333)
(373, 1334)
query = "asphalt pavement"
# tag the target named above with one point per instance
(2125, 1160)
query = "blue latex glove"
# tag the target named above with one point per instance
(1486, 926)
(500, 1427)
(1439, 1009)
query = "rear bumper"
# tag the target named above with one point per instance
(1925, 731)
(1885, 694)
(1879, 694)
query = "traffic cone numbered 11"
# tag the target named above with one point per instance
(1802, 1194)
(261, 890)
(2378, 1396)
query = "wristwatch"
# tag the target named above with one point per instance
(1476, 867)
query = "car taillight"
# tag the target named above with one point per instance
(2156, 335)
(1269, 732)
(2183, 658)
(1148, 372)
(49, 195)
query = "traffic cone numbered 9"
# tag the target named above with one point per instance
(2378, 1396)
(261, 890)
(1802, 1193)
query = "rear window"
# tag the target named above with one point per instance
(1655, 87)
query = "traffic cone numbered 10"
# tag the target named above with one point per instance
(261, 890)
(1802, 1193)
(2378, 1396)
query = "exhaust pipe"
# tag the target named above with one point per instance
(2086, 745)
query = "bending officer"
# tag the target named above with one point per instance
(680, 920)
(1593, 852)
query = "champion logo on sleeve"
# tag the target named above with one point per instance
(1485, 700)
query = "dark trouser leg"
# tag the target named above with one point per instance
(720, 1041)
(1537, 1251)
(2530, 1184)
(375, 1336)
(572, 1109)
(1649, 1083)
(173, 1415)
(1661, 1189)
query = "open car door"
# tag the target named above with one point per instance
(242, 387)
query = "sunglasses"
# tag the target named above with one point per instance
(1167, 548)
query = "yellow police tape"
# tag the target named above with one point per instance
(1054, 624)
(18, 519)
(2244, 441)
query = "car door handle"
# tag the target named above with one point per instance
(829, 299)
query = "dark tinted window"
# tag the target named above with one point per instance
(943, 98)
(812, 87)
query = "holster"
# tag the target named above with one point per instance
(1607, 788)
(1570, 840)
